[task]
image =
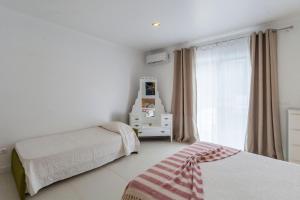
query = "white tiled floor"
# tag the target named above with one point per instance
(104, 183)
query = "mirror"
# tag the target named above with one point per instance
(148, 106)
(150, 88)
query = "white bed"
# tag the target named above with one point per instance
(243, 176)
(247, 176)
(56, 157)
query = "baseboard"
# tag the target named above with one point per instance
(4, 169)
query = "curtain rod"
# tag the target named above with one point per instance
(284, 28)
(240, 37)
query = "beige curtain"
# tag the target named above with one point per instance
(184, 96)
(264, 135)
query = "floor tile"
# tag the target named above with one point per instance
(99, 184)
(8, 189)
(58, 191)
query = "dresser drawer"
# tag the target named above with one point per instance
(294, 121)
(166, 132)
(166, 117)
(135, 118)
(150, 132)
(166, 124)
(294, 153)
(136, 125)
(294, 137)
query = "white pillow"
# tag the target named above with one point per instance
(116, 127)
(130, 141)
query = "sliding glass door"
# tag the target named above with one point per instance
(223, 90)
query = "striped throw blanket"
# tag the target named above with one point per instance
(177, 177)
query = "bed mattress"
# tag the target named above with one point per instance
(74, 153)
(243, 176)
(248, 176)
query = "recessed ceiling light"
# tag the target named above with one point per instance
(156, 24)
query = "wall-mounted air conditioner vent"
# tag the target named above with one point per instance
(159, 57)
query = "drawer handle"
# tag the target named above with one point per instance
(166, 118)
(166, 124)
(162, 131)
(136, 118)
(136, 125)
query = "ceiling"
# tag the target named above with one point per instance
(128, 22)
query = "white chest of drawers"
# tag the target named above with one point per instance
(156, 130)
(294, 136)
(148, 116)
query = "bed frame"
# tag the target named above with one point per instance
(18, 174)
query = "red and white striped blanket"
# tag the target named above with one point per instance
(177, 177)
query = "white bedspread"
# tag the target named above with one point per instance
(56, 157)
(247, 176)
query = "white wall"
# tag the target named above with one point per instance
(288, 70)
(54, 79)
(164, 75)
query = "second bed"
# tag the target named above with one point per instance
(52, 158)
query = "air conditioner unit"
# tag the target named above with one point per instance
(157, 57)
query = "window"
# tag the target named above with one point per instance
(223, 90)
